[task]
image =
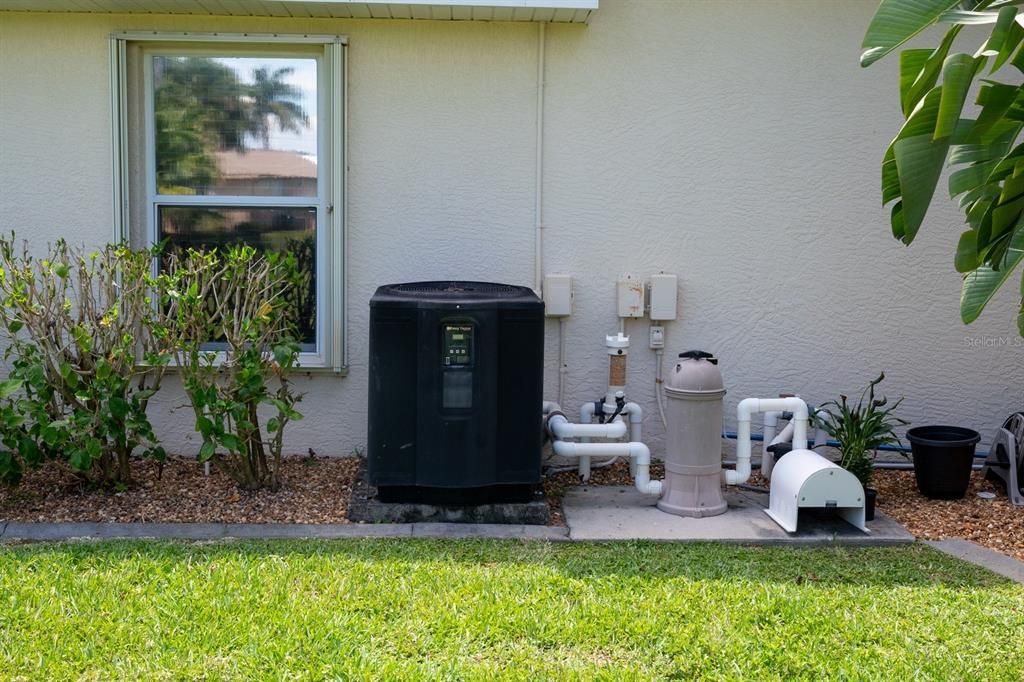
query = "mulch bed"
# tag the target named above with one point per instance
(314, 490)
(994, 523)
(317, 490)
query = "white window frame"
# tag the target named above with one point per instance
(331, 349)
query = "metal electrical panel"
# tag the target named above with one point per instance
(630, 296)
(664, 293)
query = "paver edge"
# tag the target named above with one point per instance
(979, 555)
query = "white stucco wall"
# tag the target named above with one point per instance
(735, 143)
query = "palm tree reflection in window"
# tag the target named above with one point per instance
(239, 127)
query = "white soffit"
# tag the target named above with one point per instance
(560, 11)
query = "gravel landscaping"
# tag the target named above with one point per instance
(993, 523)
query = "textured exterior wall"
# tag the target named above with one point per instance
(735, 143)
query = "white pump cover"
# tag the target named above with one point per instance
(803, 478)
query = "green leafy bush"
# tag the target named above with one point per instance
(861, 429)
(76, 324)
(235, 348)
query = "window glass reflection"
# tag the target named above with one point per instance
(266, 229)
(240, 126)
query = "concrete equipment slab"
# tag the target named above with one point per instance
(620, 513)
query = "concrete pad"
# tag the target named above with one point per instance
(621, 513)
(997, 562)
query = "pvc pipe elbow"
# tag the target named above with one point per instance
(561, 428)
(642, 478)
(742, 472)
(739, 475)
(635, 451)
(645, 485)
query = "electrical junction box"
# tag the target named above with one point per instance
(657, 336)
(630, 296)
(664, 293)
(557, 295)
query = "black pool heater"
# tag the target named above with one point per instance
(455, 392)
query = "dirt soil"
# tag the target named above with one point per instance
(314, 490)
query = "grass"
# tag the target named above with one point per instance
(485, 610)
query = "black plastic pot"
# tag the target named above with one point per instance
(870, 494)
(943, 456)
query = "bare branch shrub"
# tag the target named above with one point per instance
(77, 324)
(235, 337)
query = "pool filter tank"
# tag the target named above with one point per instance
(693, 459)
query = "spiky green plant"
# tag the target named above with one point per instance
(861, 428)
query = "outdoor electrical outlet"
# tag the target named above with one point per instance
(657, 336)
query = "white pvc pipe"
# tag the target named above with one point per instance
(562, 428)
(587, 410)
(538, 209)
(562, 369)
(635, 451)
(636, 418)
(744, 410)
(820, 434)
(771, 423)
(785, 435)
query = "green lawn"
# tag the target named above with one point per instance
(399, 610)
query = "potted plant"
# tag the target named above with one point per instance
(861, 429)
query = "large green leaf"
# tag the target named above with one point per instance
(966, 258)
(928, 75)
(1006, 36)
(995, 100)
(981, 285)
(897, 21)
(957, 76)
(919, 161)
(912, 63)
(971, 177)
(967, 18)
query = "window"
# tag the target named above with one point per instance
(226, 139)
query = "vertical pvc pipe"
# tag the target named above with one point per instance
(538, 209)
